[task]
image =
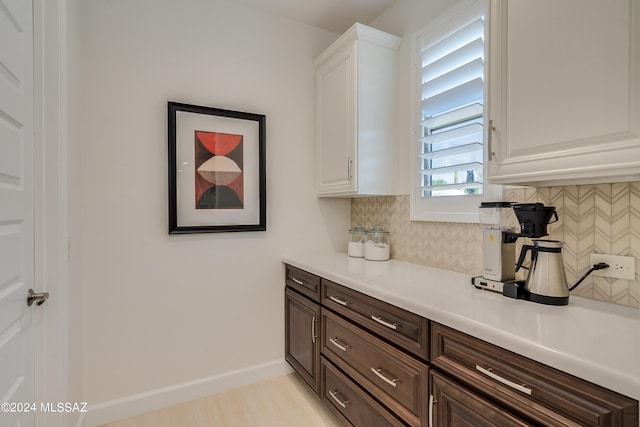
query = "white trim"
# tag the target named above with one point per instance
(153, 400)
(51, 206)
(445, 209)
(358, 31)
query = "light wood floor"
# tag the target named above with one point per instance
(279, 402)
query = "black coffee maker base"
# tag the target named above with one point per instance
(516, 290)
(542, 299)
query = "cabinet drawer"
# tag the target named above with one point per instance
(452, 405)
(395, 378)
(526, 387)
(303, 282)
(350, 404)
(399, 326)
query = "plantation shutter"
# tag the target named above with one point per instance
(452, 105)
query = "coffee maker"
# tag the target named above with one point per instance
(546, 282)
(498, 251)
(498, 242)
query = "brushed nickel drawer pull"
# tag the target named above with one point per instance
(335, 342)
(298, 281)
(338, 401)
(313, 330)
(338, 300)
(392, 382)
(432, 402)
(383, 322)
(488, 372)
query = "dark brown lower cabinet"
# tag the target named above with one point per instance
(522, 386)
(375, 370)
(349, 403)
(391, 376)
(452, 405)
(302, 346)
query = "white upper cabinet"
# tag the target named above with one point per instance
(356, 114)
(564, 91)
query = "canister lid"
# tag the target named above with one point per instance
(377, 229)
(359, 228)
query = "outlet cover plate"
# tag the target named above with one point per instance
(620, 267)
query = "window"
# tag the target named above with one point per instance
(449, 156)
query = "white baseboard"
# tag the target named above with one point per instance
(137, 404)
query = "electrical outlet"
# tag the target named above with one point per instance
(620, 267)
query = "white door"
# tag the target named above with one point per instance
(16, 213)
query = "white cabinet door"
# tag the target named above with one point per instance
(356, 114)
(336, 123)
(565, 91)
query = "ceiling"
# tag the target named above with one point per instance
(332, 15)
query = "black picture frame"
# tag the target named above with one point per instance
(217, 170)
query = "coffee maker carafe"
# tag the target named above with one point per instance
(546, 282)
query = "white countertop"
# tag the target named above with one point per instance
(595, 341)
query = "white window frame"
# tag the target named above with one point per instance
(446, 208)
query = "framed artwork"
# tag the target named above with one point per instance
(217, 178)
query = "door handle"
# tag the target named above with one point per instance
(432, 402)
(490, 151)
(314, 335)
(38, 297)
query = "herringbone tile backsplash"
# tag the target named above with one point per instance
(603, 218)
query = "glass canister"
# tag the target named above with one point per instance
(377, 247)
(357, 237)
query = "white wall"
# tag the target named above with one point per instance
(402, 19)
(157, 310)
